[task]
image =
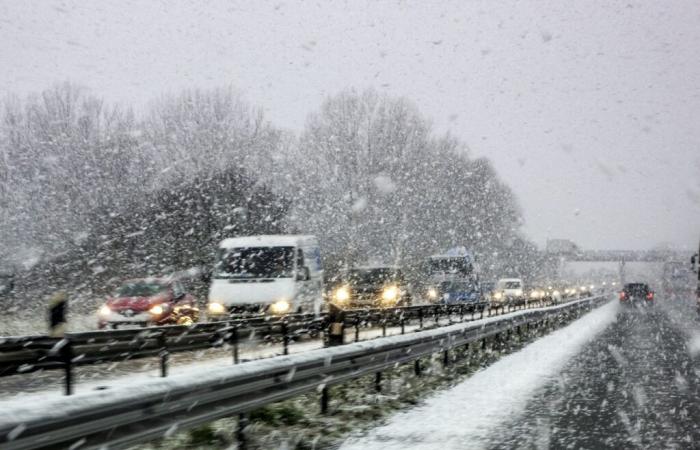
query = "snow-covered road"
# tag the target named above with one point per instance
(464, 416)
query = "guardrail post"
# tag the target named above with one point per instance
(420, 318)
(233, 341)
(437, 315)
(163, 354)
(336, 327)
(285, 337)
(417, 368)
(403, 323)
(357, 329)
(67, 357)
(325, 398)
(384, 323)
(240, 431)
(378, 382)
(461, 313)
(446, 358)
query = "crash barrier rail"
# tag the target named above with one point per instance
(122, 417)
(27, 354)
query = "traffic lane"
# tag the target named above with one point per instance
(636, 386)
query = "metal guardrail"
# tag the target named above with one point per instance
(27, 354)
(121, 418)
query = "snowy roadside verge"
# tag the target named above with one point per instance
(35, 405)
(462, 417)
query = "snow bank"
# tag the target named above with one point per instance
(462, 417)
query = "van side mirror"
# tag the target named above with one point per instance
(303, 274)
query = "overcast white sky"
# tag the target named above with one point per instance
(589, 110)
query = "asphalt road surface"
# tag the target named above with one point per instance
(636, 386)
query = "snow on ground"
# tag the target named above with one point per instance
(462, 417)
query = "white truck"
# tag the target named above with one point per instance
(267, 274)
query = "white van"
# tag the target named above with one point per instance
(508, 289)
(273, 274)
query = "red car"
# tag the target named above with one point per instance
(149, 301)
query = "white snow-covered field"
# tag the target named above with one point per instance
(462, 417)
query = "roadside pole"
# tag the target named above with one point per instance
(58, 307)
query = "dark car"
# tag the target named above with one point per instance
(371, 287)
(637, 294)
(149, 301)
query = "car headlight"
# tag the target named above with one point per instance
(216, 308)
(556, 294)
(157, 310)
(390, 293)
(534, 294)
(342, 294)
(432, 293)
(104, 311)
(280, 307)
(498, 295)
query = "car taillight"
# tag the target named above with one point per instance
(622, 296)
(650, 296)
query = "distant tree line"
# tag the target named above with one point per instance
(91, 192)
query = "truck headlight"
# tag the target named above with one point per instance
(280, 307)
(432, 293)
(216, 308)
(390, 293)
(498, 295)
(157, 310)
(342, 294)
(519, 293)
(104, 311)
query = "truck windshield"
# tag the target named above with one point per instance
(457, 265)
(510, 285)
(255, 262)
(457, 286)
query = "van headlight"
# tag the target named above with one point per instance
(280, 307)
(104, 311)
(390, 293)
(342, 294)
(216, 308)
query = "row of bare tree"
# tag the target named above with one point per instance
(367, 175)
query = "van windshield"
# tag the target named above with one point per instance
(510, 285)
(255, 262)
